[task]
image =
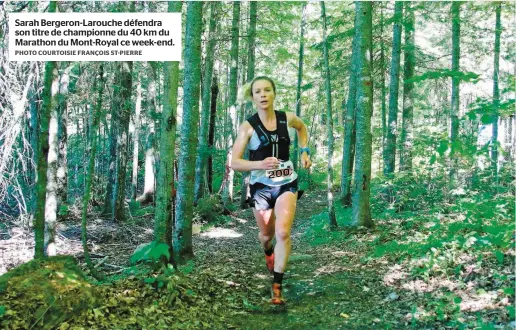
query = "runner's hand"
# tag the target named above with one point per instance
(270, 163)
(305, 160)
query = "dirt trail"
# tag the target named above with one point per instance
(325, 286)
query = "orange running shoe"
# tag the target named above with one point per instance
(277, 298)
(269, 261)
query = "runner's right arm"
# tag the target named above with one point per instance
(238, 164)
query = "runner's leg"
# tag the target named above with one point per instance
(265, 220)
(285, 210)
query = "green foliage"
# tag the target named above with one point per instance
(487, 109)
(445, 73)
(319, 234)
(47, 292)
(63, 210)
(188, 267)
(151, 252)
(209, 209)
(161, 279)
(407, 192)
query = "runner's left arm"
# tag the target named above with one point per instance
(302, 134)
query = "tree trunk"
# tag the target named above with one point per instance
(408, 96)
(136, 133)
(165, 192)
(149, 186)
(332, 221)
(192, 73)
(90, 174)
(496, 92)
(382, 79)
(211, 133)
(244, 190)
(51, 198)
(111, 178)
(202, 151)
(62, 135)
(454, 111)
(42, 156)
(299, 83)
(227, 194)
(390, 147)
(349, 127)
(364, 100)
(34, 139)
(125, 105)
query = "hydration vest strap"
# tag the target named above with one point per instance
(264, 137)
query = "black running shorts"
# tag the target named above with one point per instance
(264, 197)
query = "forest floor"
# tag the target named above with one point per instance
(362, 279)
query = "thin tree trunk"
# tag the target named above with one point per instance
(454, 111)
(408, 95)
(149, 186)
(361, 214)
(202, 151)
(90, 174)
(228, 188)
(62, 134)
(51, 198)
(390, 147)
(111, 178)
(34, 138)
(211, 133)
(136, 133)
(349, 127)
(382, 79)
(299, 83)
(244, 191)
(496, 92)
(332, 220)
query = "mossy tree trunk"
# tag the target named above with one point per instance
(192, 75)
(361, 214)
(47, 99)
(165, 193)
(390, 145)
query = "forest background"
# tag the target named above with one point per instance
(410, 113)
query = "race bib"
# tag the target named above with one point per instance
(285, 170)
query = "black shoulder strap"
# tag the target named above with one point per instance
(282, 124)
(255, 122)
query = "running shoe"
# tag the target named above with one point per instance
(277, 298)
